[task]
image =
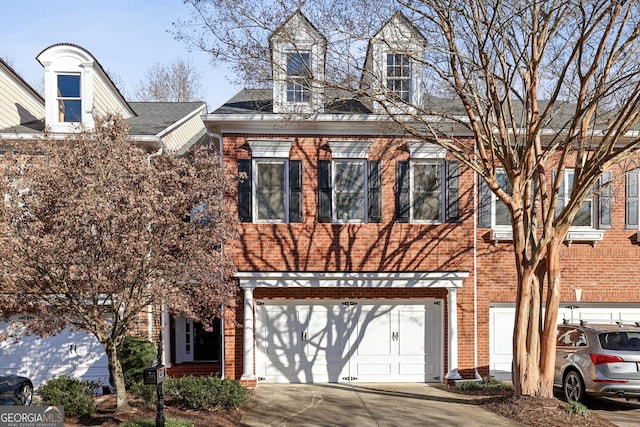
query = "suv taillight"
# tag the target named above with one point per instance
(599, 359)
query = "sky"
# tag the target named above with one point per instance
(127, 37)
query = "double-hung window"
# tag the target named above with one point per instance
(585, 216)
(69, 99)
(399, 76)
(492, 212)
(349, 187)
(427, 186)
(298, 77)
(272, 189)
(632, 200)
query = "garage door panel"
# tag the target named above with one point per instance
(416, 368)
(414, 330)
(352, 341)
(373, 332)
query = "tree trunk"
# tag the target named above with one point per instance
(548, 353)
(526, 340)
(117, 374)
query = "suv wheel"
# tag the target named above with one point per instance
(573, 387)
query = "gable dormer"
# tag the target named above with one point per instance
(298, 52)
(75, 88)
(394, 64)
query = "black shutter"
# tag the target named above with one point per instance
(375, 192)
(324, 191)
(295, 191)
(452, 188)
(244, 192)
(403, 201)
(631, 202)
(604, 201)
(484, 204)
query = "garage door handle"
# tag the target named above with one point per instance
(394, 336)
(303, 336)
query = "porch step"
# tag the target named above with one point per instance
(194, 369)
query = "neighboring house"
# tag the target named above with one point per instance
(363, 254)
(76, 89)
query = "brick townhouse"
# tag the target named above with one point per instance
(365, 255)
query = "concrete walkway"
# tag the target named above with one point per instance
(363, 405)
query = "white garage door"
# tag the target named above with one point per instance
(336, 341)
(502, 317)
(72, 353)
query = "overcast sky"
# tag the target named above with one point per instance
(125, 36)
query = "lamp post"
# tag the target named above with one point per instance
(159, 390)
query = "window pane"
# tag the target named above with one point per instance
(297, 92)
(270, 191)
(583, 217)
(349, 186)
(298, 64)
(398, 75)
(502, 214)
(68, 86)
(427, 192)
(70, 111)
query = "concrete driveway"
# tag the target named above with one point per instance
(362, 405)
(617, 411)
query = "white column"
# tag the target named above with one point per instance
(247, 366)
(453, 336)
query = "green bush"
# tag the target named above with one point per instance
(135, 355)
(75, 395)
(169, 422)
(577, 408)
(145, 392)
(486, 383)
(469, 385)
(205, 392)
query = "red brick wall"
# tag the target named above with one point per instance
(607, 272)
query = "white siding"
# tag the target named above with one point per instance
(178, 137)
(17, 104)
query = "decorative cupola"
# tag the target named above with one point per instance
(298, 53)
(394, 67)
(75, 88)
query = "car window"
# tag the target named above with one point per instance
(571, 337)
(628, 341)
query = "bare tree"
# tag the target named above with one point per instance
(178, 81)
(542, 85)
(95, 232)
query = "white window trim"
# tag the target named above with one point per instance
(583, 233)
(440, 164)
(426, 150)
(350, 149)
(270, 148)
(254, 189)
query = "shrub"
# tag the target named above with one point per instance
(145, 392)
(135, 355)
(577, 408)
(487, 383)
(205, 392)
(75, 395)
(169, 422)
(469, 385)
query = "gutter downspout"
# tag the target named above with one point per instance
(150, 311)
(218, 136)
(475, 271)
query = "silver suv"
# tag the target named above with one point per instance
(596, 359)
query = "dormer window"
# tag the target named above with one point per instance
(298, 77)
(298, 52)
(69, 99)
(399, 76)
